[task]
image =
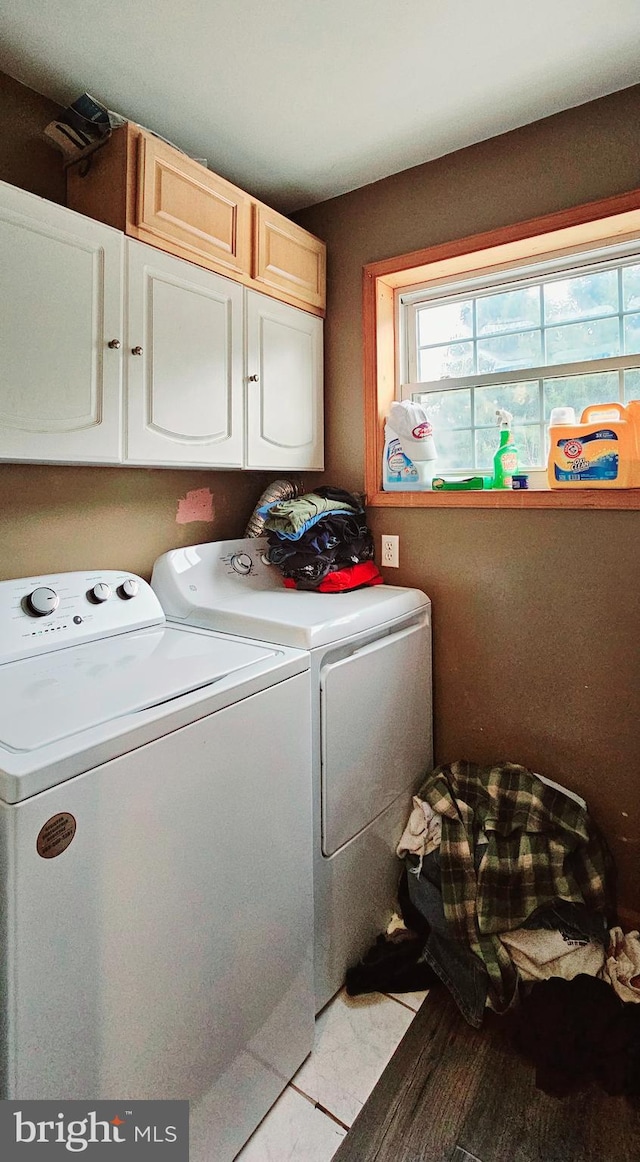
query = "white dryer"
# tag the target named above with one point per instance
(155, 866)
(371, 720)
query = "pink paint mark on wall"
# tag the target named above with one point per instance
(196, 505)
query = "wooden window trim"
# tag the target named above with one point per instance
(614, 217)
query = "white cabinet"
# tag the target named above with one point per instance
(113, 352)
(284, 386)
(184, 363)
(61, 306)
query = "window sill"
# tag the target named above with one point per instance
(612, 498)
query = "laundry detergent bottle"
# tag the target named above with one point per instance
(602, 451)
(505, 461)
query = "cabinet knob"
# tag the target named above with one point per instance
(114, 344)
(253, 378)
(136, 350)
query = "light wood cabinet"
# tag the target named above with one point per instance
(288, 259)
(113, 352)
(158, 195)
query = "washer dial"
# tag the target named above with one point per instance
(128, 589)
(241, 563)
(42, 601)
(99, 593)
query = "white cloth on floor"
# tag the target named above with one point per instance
(540, 953)
(423, 831)
(622, 965)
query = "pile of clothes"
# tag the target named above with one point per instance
(320, 541)
(509, 900)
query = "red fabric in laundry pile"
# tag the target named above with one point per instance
(353, 577)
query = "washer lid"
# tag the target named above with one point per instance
(50, 697)
(227, 586)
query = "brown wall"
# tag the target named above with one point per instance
(536, 614)
(56, 518)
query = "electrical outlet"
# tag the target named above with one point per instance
(390, 551)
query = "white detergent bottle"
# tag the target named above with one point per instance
(415, 433)
(399, 474)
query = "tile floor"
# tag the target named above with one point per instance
(355, 1038)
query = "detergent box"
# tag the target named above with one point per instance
(602, 451)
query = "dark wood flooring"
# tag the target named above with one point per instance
(455, 1094)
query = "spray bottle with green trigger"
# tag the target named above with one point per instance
(505, 461)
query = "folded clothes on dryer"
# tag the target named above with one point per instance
(352, 577)
(318, 535)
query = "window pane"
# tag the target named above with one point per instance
(447, 409)
(443, 324)
(455, 451)
(580, 341)
(454, 360)
(521, 399)
(632, 334)
(509, 352)
(632, 385)
(586, 295)
(527, 440)
(578, 391)
(631, 288)
(509, 311)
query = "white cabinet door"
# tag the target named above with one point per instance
(183, 363)
(284, 385)
(61, 305)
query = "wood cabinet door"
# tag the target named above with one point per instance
(61, 294)
(284, 386)
(288, 258)
(183, 363)
(186, 208)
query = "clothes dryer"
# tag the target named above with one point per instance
(155, 919)
(371, 720)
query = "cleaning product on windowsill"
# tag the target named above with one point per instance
(411, 424)
(468, 484)
(505, 461)
(398, 472)
(602, 451)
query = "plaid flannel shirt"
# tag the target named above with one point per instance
(541, 847)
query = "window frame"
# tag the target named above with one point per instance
(611, 220)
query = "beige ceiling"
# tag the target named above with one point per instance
(300, 100)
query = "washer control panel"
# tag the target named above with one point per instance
(45, 613)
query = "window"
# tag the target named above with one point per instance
(524, 316)
(563, 332)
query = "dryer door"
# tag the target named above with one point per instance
(376, 730)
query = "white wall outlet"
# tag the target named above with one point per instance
(390, 551)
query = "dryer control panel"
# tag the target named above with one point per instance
(48, 612)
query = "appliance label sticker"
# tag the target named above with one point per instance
(56, 835)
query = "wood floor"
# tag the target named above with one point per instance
(456, 1094)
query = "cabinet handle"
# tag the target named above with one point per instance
(136, 350)
(114, 344)
(253, 378)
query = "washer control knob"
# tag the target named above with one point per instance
(128, 589)
(42, 601)
(100, 592)
(241, 562)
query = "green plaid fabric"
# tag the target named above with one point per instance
(541, 847)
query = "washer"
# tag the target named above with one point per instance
(371, 720)
(155, 917)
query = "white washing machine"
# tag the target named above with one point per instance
(371, 721)
(155, 913)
